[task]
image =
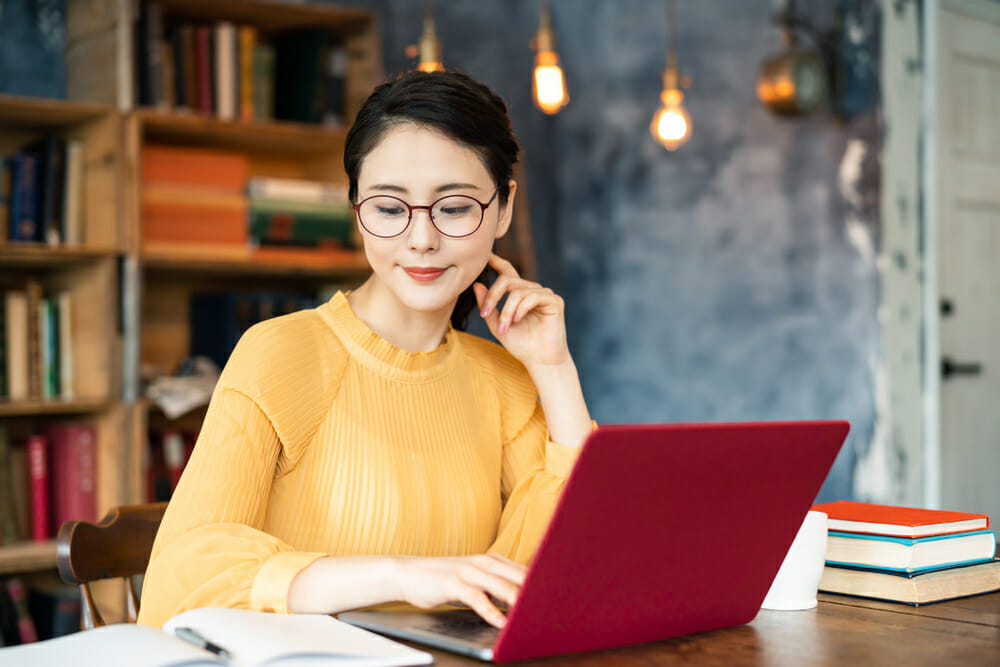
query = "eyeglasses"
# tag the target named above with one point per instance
(455, 216)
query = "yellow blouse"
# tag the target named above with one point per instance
(323, 439)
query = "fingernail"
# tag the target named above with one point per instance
(503, 328)
(484, 312)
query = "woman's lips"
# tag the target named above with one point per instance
(424, 273)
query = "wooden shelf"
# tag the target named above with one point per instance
(37, 113)
(28, 557)
(39, 255)
(53, 407)
(244, 261)
(267, 14)
(279, 137)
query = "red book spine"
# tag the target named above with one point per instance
(38, 467)
(74, 470)
(202, 68)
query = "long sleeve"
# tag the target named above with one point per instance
(210, 550)
(534, 468)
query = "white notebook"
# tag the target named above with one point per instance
(251, 638)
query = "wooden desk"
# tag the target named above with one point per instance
(840, 631)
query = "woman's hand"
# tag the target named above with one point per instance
(531, 324)
(474, 581)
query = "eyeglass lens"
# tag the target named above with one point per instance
(456, 215)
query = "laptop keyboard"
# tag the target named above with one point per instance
(465, 624)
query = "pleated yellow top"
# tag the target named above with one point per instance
(323, 439)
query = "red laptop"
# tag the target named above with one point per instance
(662, 530)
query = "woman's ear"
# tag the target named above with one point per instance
(507, 211)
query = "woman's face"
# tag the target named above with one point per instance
(422, 269)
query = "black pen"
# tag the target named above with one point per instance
(192, 636)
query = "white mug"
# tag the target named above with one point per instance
(795, 585)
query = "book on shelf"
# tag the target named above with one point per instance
(16, 334)
(24, 173)
(4, 198)
(9, 530)
(36, 341)
(856, 517)
(913, 588)
(25, 623)
(909, 554)
(41, 192)
(219, 319)
(38, 472)
(20, 489)
(73, 471)
(239, 637)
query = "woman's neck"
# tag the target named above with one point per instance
(402, 327)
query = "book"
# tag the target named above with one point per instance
(247, 638)
(16, 339)
(248, 43)
(263, 81)
(23, 206)
(298, 190)
(4, 198)
(38, 470)
(195, 167)
(913, 588)
(9, 530)
(73, 469)
(909, 554)
(25, 624)
(20, 488)
(72, 213)
(51, 152)
(854, 517)
(34, 291)
(64, 304)
(225, 70)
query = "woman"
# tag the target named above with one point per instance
(366, 451)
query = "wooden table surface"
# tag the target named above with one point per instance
(840, 631)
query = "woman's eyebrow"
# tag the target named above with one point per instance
(389, 187)
(456, 186)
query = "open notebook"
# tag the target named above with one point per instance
(251, 638)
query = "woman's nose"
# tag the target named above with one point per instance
(423, 236)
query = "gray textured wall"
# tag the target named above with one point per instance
(734, 279)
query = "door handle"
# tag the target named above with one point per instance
(950, 367)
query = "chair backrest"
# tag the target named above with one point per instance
(118, 545)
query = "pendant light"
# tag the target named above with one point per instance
(429, 49)
(549, 86)
(671, 125)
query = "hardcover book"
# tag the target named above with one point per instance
(913, 588)
(909, 554)
(857, 517)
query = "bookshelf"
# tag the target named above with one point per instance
(85, 270)
(130, 297)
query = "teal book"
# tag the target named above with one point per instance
(904, 554)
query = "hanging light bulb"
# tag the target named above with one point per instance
(671, 125)
(549, 86)
(429, 50)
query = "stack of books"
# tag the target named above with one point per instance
(910, 555)
(299, 213)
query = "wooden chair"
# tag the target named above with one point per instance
(116, 547)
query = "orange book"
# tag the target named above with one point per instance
(854, 517)
(204, 168)
(188, 214)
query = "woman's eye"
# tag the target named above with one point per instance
(390, 211)
(455, 210)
